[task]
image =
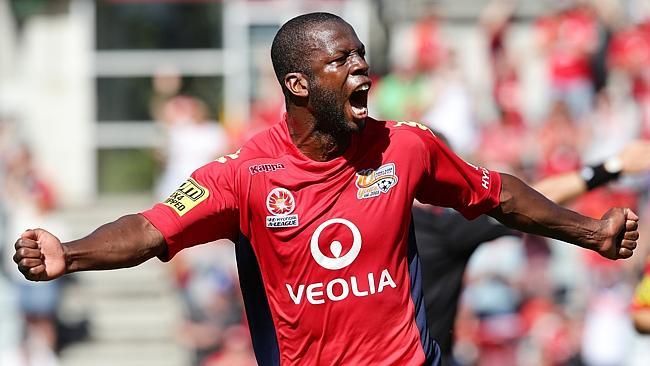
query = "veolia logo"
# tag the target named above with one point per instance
(338, 261)
(339, 289)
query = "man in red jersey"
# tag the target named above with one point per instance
(319, 206)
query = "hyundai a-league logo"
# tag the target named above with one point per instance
(280, 203)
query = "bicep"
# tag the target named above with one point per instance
(203, 209)
(450, 181)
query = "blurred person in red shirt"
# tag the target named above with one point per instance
(236, 350)
(560, 141)
(429, 48)
(505, 143)
(629, 52)
(569, 38)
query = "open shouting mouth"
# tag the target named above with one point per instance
(359, 100)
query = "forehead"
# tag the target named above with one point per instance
(330, 37)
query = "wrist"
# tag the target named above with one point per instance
(597, 175)
(67, 259)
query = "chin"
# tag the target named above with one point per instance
(359, 124)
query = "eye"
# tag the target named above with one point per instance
(341, 59)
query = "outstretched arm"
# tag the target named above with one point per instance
(126, 242)
(561, 188)
(614, 236)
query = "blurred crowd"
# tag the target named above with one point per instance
(526, 302)
(26, 199)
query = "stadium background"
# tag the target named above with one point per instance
(105, 106)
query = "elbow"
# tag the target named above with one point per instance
(507, 204)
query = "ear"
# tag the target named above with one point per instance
(297, 84)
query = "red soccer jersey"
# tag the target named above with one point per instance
(326, 250)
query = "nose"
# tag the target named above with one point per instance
(359, 65)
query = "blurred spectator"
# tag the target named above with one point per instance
(612, 124)
(236, 349)
(641, 302)
(205, 275)
(505, 144)
(206, 279)
(569, 39)
(429, 49)
(32, 202)
(267, 107)
(402, 94)
(629, 52)
(496, 20)
(560, 141)
(406, 92)
(607, 331)
(451, 111)
(192, 140)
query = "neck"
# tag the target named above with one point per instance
(315, 144)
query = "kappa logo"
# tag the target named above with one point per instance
(263, 168)
(280, 203)
(187, 196)
(373, 182)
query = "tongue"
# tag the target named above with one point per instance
(360, 112)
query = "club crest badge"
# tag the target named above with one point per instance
(373, 182)
(280, 204)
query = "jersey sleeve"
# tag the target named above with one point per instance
(449, 181)
(203, 209)
(642, 293)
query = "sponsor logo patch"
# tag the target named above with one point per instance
(373, 182)
(351, 283)
(263, 168)
(280, 203)
(187, 196)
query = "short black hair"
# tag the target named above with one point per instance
(289, 48)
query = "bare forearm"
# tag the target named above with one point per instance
(126, 242)
(527, 210)
(561, 188)
(641, 320)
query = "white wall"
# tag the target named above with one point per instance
(57, 103)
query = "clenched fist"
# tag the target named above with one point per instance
(620, 232)
(39, 255)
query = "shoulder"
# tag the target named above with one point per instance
(414, 135)
(260, 147)
(265, 144)
(404, 129)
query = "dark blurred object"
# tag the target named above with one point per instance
(24, 9)
(159, 25)
(71, 332)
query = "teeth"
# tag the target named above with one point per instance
(363, 87)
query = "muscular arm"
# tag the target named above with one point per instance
(126, 242)
(522, 208)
